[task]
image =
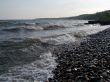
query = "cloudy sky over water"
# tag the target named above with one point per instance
(29, 9)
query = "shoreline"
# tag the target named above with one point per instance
(87, 62)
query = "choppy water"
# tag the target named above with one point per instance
(26, 46)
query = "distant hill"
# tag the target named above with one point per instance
(99, 16)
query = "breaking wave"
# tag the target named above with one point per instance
(22, 28)
(26, 46)
(26, 61)
(38, 71)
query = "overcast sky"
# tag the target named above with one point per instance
(29, 9)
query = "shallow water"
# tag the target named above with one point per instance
(41, 62)
(37, 71)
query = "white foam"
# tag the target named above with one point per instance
(38, 71)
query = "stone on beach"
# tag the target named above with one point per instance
(88, 62)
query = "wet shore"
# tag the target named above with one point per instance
(87, 62)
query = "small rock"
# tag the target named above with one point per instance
(86, 77)
(75, 69)
(104, 74)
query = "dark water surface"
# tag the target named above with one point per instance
(26, 46)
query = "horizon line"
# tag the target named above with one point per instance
(47, 17)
